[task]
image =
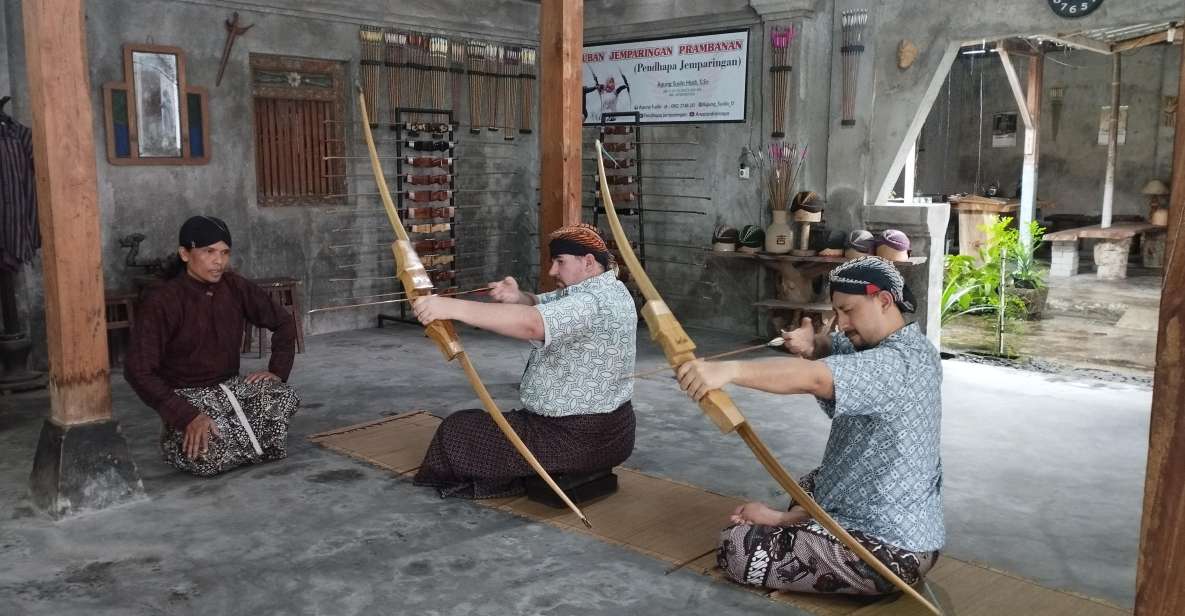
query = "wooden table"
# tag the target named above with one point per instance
(976, 213)
(1110, 253)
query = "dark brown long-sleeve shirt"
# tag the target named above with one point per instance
(188, 333)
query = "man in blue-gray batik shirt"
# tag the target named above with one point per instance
(577, 418)
(879, 380)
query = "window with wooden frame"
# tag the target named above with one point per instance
(153, 116)
(299, 103)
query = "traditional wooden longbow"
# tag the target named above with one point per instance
(666, 330)
(416, 284)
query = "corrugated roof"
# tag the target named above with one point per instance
(1114, 35)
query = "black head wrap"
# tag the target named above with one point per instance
(869, 276)
(201, 231)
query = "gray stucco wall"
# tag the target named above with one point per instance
(903, 98)
(852, 166)
(291, 241)
(719, 294)
(1072, 166)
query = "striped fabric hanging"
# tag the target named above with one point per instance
(19, 238)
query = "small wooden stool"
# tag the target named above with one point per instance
(287, 292)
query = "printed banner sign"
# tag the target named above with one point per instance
(699, 79)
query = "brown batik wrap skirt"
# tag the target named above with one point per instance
(471, 458)
(267, 406)
(808, 558)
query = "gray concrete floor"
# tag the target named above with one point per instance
(1044, 478)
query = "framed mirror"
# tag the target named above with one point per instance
(153, 116)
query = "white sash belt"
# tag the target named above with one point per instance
(234, 403)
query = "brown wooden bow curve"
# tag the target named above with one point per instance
(666, 330)
(417, 284)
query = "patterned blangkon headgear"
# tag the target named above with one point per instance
(578, 240)
(869, 276)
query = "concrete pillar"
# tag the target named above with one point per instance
(925, 224)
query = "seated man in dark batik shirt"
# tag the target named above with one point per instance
(183, 360)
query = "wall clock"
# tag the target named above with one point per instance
(1074, 8)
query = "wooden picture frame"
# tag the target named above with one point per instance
(124, 112)
(298, 113)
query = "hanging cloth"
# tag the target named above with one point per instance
(19, 237)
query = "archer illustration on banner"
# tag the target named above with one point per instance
(586, 90)
(609, 93)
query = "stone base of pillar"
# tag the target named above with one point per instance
(1110, 257)
(82, 468)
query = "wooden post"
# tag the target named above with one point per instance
(911, 168)
(1159, 591)
(1029, 105)
(74, 469)
(1112, 143)
(561, 42)
(1028, 178)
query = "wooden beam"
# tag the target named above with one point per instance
(1014, 47)
(1081, 42)
(1032, 156)
(1017, 92)
(68, 210)
(1159, 591)
(1149, 39)
(561, 42)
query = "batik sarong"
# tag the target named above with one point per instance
(267, 406)
(470, 457)
(807, 558)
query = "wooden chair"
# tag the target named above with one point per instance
(286, 291)
(121, 314)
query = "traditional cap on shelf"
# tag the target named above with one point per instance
(1155, 187)
(861, 241)
(725, 238)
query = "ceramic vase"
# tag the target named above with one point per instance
(779, 237)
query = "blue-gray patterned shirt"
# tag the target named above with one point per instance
(587, 352)
(882, 470)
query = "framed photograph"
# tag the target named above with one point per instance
(1105, 125)
(153, 117)
(158, 104)
(1004, 130)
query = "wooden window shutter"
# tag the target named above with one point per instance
(299, 104)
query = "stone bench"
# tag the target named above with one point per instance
(1110, 253)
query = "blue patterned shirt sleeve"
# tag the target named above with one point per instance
(866, 382)
(550, 296)
(567, 317)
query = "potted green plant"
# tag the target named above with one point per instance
(1024, 278)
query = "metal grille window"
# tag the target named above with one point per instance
(299, 103)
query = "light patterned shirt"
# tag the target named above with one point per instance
(587, 351)
(882, 470)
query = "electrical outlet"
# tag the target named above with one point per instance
(744, 173)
